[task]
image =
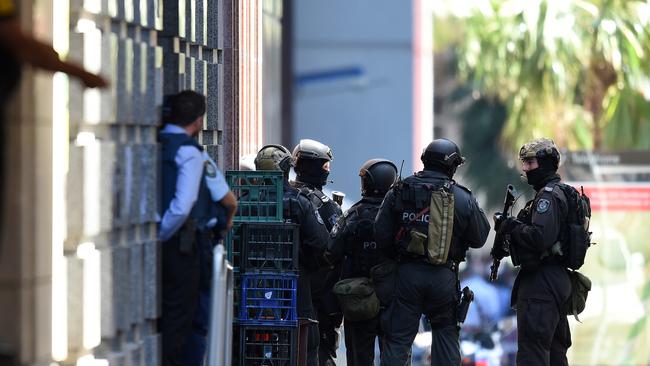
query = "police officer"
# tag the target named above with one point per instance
(424, 288)
(312, 160)
(186, 214)
(353, 240)
(542, 285)
(314, 238)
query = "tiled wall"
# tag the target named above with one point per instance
(146, 49)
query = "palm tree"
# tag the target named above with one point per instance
(574, 70)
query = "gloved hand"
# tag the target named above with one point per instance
(497, 218)
(508, 225)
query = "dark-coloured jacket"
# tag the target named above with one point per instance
(314, 240)
(314, 237)
(541, 225)
(470, 228)
(329, 210)
(353, 239)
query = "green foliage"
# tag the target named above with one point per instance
(564, 69)
(486, 169)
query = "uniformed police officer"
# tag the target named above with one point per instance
(314, 238)
(186, 211)
(542, 285)
(312, 160)
(424, 288)
(353, 240)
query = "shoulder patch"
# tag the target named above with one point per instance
(543, 205)
(548, 189)
(319, 218)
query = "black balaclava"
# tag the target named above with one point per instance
(546, 171)
(438, 167)
(311, 171)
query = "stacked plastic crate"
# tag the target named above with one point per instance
(264, 251)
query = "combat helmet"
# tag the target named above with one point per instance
(543, 149)
(377, 176)
(310, 159)
(274, 157)
(444, 154)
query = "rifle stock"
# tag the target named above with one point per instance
(500, 244)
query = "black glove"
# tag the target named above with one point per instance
(508, 225)
(498, 252)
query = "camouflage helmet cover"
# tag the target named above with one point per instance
(273, 157)
(539, 148)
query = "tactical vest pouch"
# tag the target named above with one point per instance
(441, 224)
(357, 298)
(580, 287)
(416, 242)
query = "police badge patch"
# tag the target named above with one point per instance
(319, 218)
(543, 205)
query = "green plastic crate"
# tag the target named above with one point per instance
(259, 195)
(234, 246)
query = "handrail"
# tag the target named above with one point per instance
(221, 310)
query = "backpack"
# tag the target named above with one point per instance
(577, 240)
(577, 237)
(435, 205)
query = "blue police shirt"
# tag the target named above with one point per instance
(190, 163)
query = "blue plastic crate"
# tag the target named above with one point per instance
(268, 299)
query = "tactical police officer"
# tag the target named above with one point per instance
(312, 160)
(542, 285)
(314, 238)
(353, 240)
(427, 276)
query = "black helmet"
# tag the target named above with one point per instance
(377, 176)
(310, 157)
(444, 154)
(274, 157)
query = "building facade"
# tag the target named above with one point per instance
(80, 267)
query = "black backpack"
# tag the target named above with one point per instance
(575, 243)
(577, 237)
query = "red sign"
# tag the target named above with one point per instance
(617, 197)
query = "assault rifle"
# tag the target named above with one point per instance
(501, 246)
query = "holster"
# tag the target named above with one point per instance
(187, 236)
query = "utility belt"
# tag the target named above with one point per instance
(451, 264)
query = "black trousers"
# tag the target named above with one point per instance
(543, 334)
(306, 311)
(422, 289)
(328, 329)
(180, 296)
(360, 341)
